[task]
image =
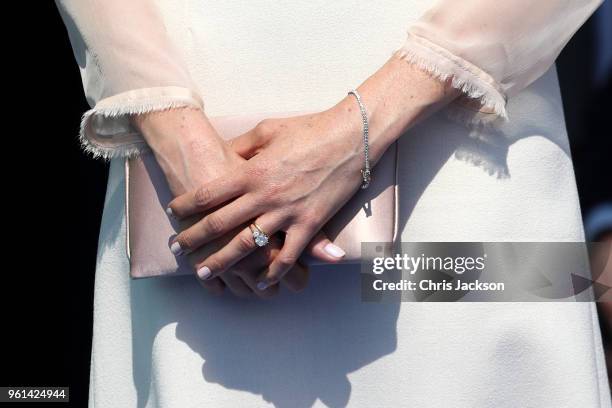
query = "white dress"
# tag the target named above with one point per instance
(165, 343)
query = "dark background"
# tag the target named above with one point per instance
(53, 196)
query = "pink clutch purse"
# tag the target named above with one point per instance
(369, 216)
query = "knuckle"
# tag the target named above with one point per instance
(185, 241)
(271, 251)
(274, 191)
(216, 265)
(311, 224)
(202, 197)
(246, 243)
(273, 195)
(279, 193)
(265, 127)
(253, 172)
(311, 218)
(214, 224)
(286, 261)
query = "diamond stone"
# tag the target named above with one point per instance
(260, 238)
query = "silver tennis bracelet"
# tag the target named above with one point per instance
(366, 172)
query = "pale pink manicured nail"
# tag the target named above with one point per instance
(176, 249)
(263, 285)
(169, 212)
(204, 272)
(334, 250)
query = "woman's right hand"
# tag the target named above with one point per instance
(186, 146)
(190, 152)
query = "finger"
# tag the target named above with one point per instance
(248, 144)
(296, 240)
(239, 247)
(215, 224)
(236, 285)
(206, 196)
(323, 249)
(214, 286)
(297, 278)
(250, 267)
(249, 277)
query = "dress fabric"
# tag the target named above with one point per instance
(164, 342)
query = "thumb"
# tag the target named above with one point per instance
(323, 249)
(248, 144)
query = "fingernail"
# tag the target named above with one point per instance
(169, 212)
(176, 249)
(334, 250)
(204, 272)
(263, 285)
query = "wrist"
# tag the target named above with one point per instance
(396, 97)
(169, 130)
(185, 144)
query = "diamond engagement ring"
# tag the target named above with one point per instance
(259, 236)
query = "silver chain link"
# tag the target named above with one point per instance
(366, 172)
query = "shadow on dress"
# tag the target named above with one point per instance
(291, 350)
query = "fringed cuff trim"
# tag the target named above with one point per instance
(484, 102)
(106, 130)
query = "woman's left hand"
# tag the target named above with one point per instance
(301, 171)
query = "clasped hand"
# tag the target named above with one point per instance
(300, 171)
(287, 175)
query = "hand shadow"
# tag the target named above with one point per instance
(291, 350)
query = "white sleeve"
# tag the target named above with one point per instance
(128, 66)
(491, 50)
